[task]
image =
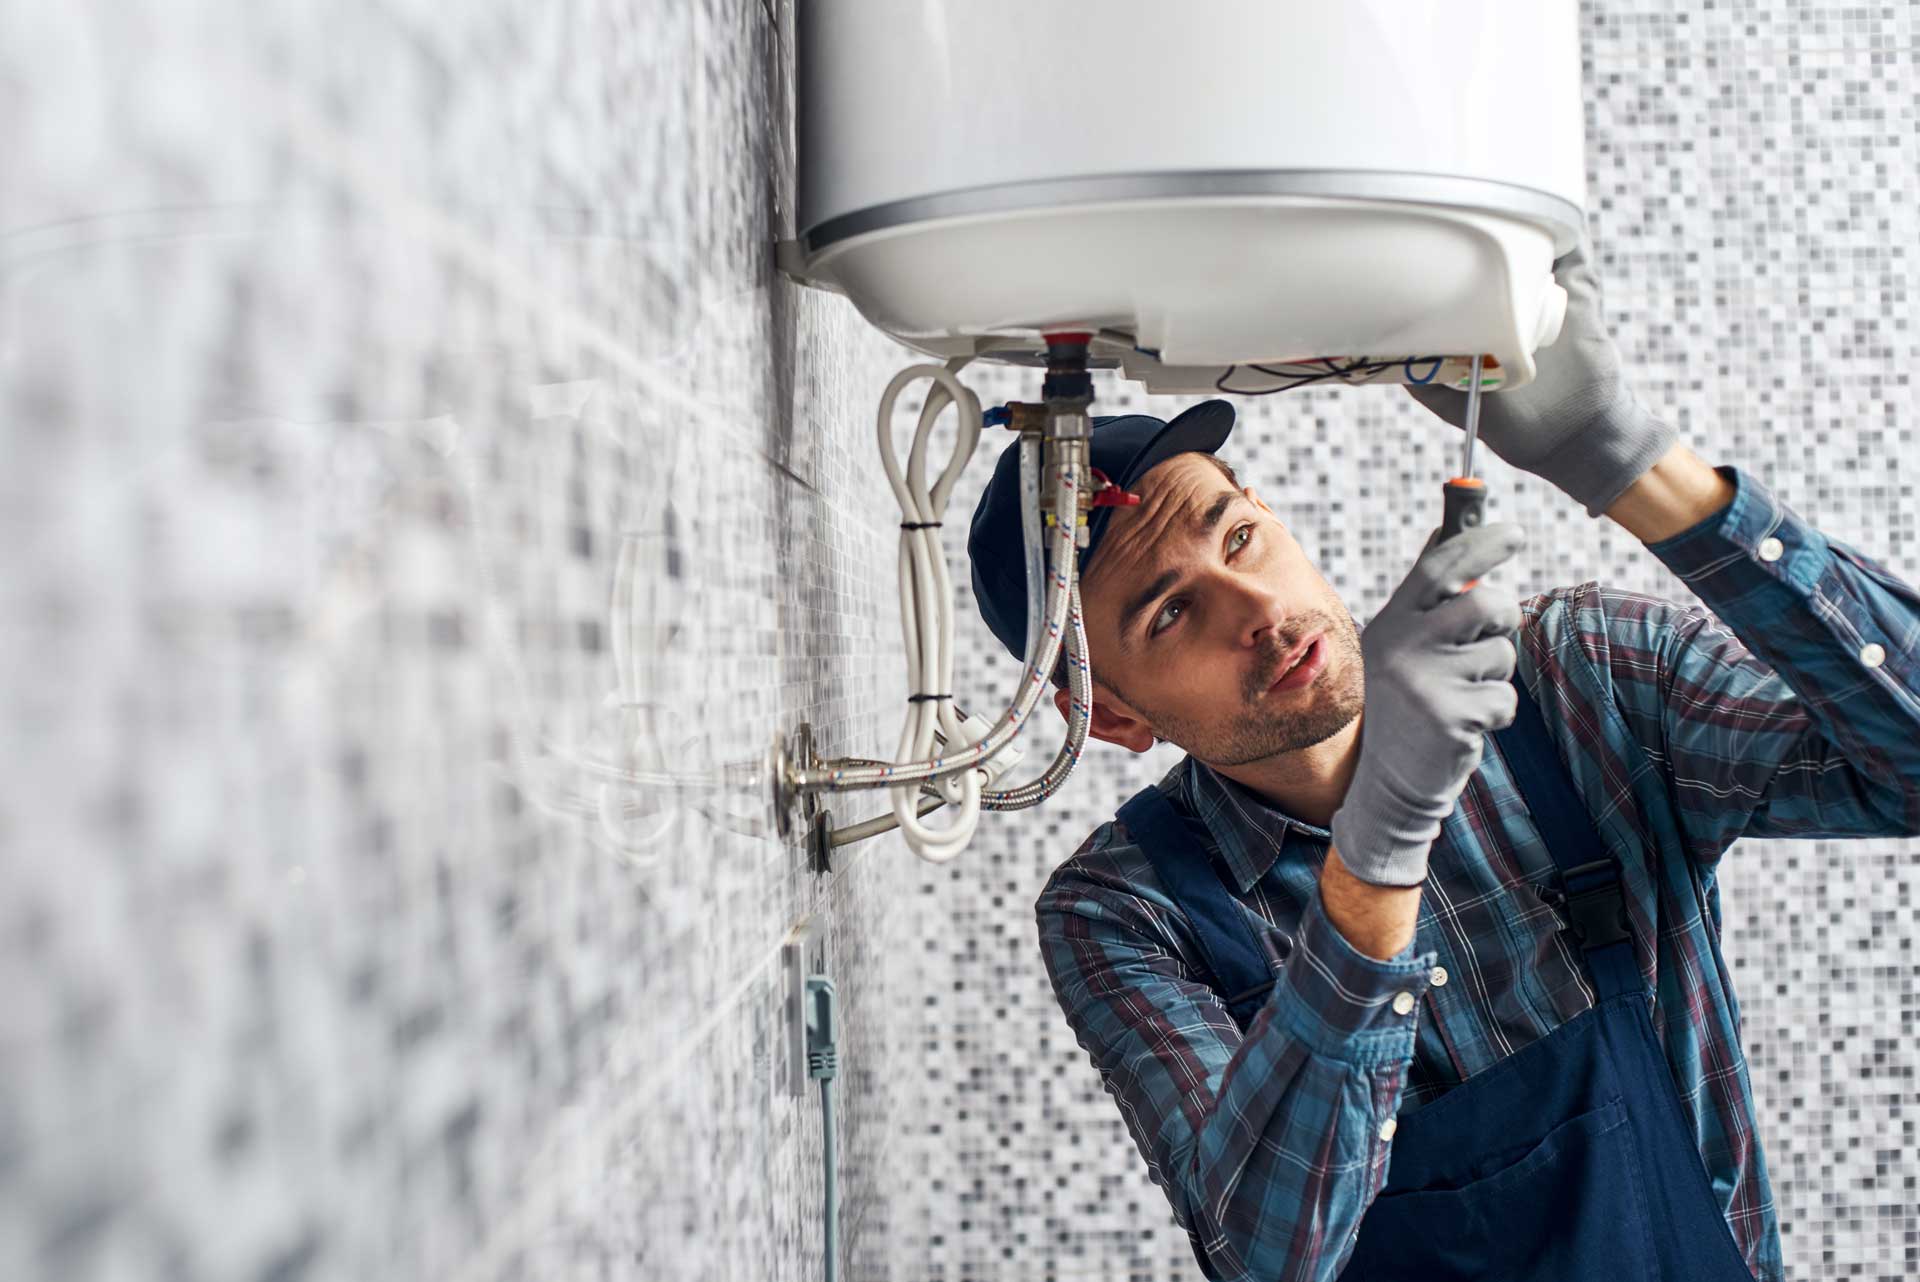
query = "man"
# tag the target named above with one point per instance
(1381, 999)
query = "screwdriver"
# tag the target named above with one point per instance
(1466, 495)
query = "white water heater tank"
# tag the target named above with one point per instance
(1228, 192)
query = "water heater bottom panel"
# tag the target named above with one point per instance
(1203, 283)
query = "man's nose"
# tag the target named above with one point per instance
(1252, 609)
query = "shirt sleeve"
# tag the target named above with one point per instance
(1268, 1147)
(1786, 707)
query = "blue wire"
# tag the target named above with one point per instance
(1432, 374)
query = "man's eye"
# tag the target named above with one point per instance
(1241, 537)
(1164, 620)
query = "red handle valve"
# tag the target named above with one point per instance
(1108, 494)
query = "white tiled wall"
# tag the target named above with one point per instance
(408, 448)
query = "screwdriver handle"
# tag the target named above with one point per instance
(1466, 507)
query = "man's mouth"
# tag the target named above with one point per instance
(1302, 665)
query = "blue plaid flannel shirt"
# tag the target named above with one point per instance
(1793, 713)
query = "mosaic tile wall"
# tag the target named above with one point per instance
(411, 457)
(1754, 170)
(422, 502)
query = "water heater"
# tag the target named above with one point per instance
(1233, 196)
(1230, 196)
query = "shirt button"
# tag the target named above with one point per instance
(1388, 1127)
(1402, 1003)
(1771, 548)
(1873, 654)
(1437, 976)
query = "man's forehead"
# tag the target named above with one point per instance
(1187, 469)
(1181, 500)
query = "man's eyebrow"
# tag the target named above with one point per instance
(1202, 525)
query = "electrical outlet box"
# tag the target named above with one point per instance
(803, 954)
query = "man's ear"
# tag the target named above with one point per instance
(1112, 720)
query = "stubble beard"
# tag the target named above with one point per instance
(1262, 730)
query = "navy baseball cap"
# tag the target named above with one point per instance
(1125, 447)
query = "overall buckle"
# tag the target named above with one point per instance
(1596, 904)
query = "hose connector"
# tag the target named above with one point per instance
(1026, 417)
(1068, 391)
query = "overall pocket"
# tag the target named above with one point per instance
(1571, 1208)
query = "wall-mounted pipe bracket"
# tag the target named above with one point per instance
(794, 807)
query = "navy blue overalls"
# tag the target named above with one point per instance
(1568, 1161)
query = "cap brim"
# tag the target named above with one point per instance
(1203, 428)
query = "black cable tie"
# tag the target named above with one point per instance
(926, 698)
(921, 525)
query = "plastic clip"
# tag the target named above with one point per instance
(1596, 904)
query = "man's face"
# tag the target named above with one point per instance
(1198, 602)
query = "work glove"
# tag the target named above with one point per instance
(1577, 424)
(1437, 664)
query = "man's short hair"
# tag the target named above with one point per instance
(1060, 664)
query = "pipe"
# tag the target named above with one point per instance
(1072, 464)
(1079, 720)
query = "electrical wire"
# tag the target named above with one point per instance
(1432, 374)
(921, 783)
(1361, 365)
(938, 715)
(926, 605)
(839, 775)
(1023, 796)
(828, 1142)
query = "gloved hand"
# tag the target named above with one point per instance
(1577, 424)
(1437, 663)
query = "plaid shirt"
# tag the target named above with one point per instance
(1791, 714)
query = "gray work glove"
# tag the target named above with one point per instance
(1577, 423)
(1437, 665)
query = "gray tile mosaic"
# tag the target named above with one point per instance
(1753, 203)
(418, 533)
(422, 504)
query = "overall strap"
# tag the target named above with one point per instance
(1589, 875)
(1182, 859)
